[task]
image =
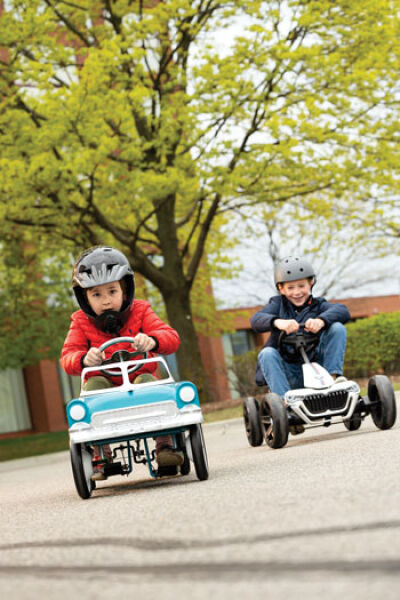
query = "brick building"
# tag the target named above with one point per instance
(32, 399)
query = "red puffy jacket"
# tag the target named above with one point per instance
(83, 334)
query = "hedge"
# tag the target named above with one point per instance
(373, 346)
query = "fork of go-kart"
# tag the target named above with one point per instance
(301, 341)
(121, 355)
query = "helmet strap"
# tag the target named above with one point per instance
(110, 321)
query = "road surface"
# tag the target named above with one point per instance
(317, 519)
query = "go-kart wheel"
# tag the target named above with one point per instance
(274, 421)
(252, 422)
(199, 452)
(353, 423)
(381, 393)
(181, 443)
(82, 469)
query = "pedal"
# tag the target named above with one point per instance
(114, 468)
(167, 471)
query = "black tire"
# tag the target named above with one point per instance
(199, 452)
(252, 422)
(81, 470)
(353, 423)
(381, 393)
(185, 466)
(274, 421)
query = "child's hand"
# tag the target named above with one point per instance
(93, 358)
(286, 325)
(314, 325)
(143, 343)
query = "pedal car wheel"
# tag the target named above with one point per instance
(252, 422)
(274, 421)
(381, 393)
(199, 452)
(353, 423)
(181, 443)
(82, 469)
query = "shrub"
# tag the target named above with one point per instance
(243, 368)
(373, 346)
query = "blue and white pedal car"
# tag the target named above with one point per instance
(129, 416)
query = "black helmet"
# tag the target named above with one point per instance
(292, 268)
(96, 266)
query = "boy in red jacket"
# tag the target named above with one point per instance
(104, 287)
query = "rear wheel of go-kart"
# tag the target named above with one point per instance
(199, 452)
(82, 469)
(353, 423)
(274, 421)
(252, 422)
(381, 393)
(181, 444)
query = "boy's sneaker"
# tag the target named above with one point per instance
(98, 473)
(167, 456)
(340, 379)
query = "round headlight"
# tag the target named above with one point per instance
(187, 393)
(77, 412)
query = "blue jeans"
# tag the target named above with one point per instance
(282, 376)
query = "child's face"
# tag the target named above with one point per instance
(108, 296)
(296, 291)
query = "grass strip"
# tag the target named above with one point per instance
(33, 445)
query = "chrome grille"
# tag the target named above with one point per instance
(320, 403)
(144, 412)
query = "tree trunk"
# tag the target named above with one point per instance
(188, 355)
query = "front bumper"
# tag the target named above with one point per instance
(135, 420)
(310, 415)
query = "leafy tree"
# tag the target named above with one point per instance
(130, 123)
(33, 328)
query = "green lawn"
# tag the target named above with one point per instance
(33, 445)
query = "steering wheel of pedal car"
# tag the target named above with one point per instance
(121, 355)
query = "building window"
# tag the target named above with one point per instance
(235, 344)
(70, 385)
(242, 341)
(14, 411)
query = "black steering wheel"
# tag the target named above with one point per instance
(301, 343)
(121, 355)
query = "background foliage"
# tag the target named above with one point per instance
(373, 346)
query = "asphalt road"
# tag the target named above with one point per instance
(319, 518)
